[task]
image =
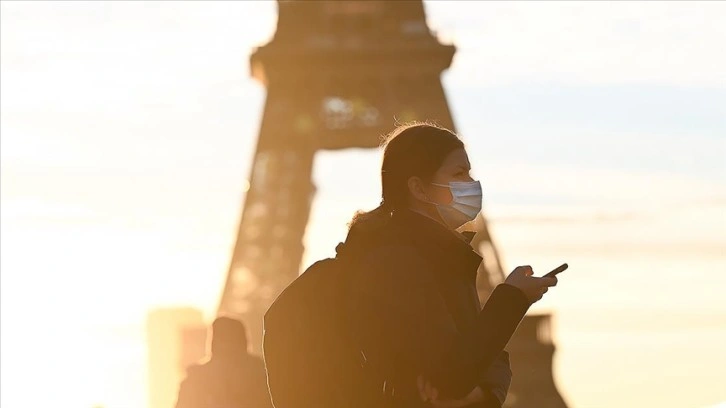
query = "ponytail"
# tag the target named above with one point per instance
(371, 220)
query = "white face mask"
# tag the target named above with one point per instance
(464, 207)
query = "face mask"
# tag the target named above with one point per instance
(464, 207)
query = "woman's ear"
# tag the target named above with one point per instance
(416, 189)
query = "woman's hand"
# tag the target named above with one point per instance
(429, 394)
(426, 390)
(532, 287)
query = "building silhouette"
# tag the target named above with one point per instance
(175, 339)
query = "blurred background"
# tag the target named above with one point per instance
(598, 130)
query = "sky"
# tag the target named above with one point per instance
(598, 130)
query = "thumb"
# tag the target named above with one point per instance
(527, 270)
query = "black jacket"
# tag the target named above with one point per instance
(416, 308)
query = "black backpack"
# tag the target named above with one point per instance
(311, 356)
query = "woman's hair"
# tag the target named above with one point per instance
(414, 149)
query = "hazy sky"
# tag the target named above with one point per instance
(598, 130)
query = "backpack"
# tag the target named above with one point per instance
(311, 357)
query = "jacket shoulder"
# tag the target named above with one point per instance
(394, 264)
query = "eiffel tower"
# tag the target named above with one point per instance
(339, 74)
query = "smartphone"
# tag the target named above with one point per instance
(557, 270)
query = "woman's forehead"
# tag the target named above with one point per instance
(457, 158)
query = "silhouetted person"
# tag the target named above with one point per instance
(414, 299)
(231, 378)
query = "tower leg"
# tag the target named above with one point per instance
(269, 246)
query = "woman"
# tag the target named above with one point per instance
(415, 304)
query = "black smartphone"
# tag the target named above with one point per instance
(557, 270)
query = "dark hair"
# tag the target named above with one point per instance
(414, 149)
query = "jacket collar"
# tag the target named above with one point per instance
(439, 242)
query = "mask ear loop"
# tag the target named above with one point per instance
(428, 199)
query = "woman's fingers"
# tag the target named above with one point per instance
(434, 393)
(426, 391)
(423, 386)
(431, 392)
(525, 270)
(549, 281)
(532, 286)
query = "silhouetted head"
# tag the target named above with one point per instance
(419, 162)
(229, 338)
